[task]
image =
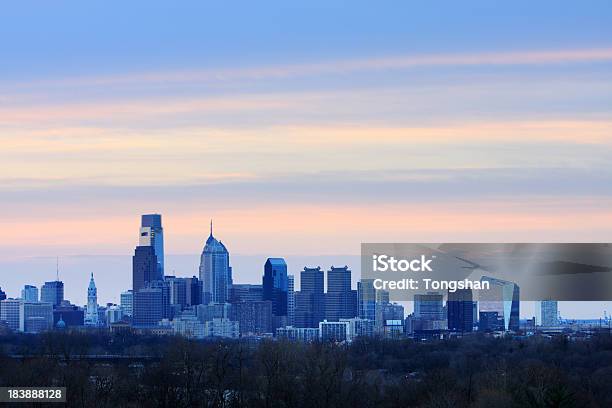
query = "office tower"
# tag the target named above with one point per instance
(310, 300)
(547, 313)
(429, 306)
(71, 315)
(148, 308)
(499, 305)
(215, 271)
(366, 299)
(9, 312)
(144, 267)
(152, 234)
(194, 290)
(275, 289)
(253, 317)
(290, 300)
(340, 300)
(29, 293)
(35, 317)
(127, 302)
(52, 292)
(91, 315)
(460, 311)
(178, 291)
(244, 292)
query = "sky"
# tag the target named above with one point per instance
(301, 129)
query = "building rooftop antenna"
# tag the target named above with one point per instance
(57, 268)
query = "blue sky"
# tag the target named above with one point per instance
(301, 128)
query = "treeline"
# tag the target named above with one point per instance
(175, 372)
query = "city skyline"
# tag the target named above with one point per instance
(256, 273)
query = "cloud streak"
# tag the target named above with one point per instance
(334, 67)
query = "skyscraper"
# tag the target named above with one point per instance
(340, 300)
(91, 316)
(2, 295)
(460, 311)
(290, 300)
(52, 292)
(194, 291)
(10, 312)
(215, 271)
(178, 291)
(366, 299)
(429, 306)
(35, 317)
(148, 307)
(152, 234)
(127, 302)
(275, 289)
(547, 313)
(310, 300)
(29, 293)
(499, 305)
(144, 267)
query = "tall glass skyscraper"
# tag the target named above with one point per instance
(152, 234)
(547, 313)
(499, 305)
(310, 300)
(52, 292)
(215, 271)
(460, 312)
(340, 300)
(144, 267)
(275, 285)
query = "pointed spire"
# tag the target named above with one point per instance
(211, 227)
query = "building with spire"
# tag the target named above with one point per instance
(215, 271)
(91, 316)
(53, 291)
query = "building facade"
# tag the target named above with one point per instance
(460, 311)
(29, 293)
(340, 299)
(499, 306)
(152, 234)
(52, 292)
(144, 267)
(215, 271)
(310, 300)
